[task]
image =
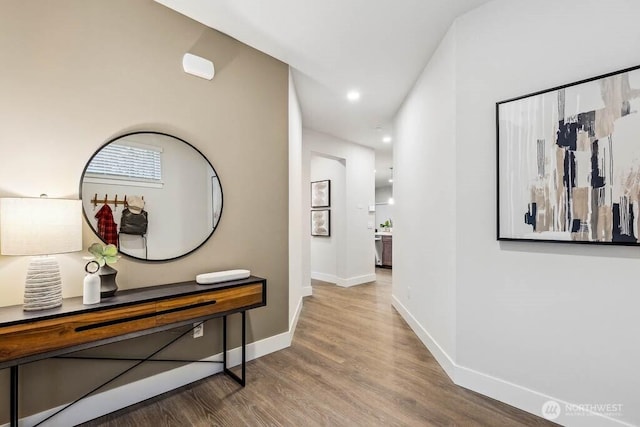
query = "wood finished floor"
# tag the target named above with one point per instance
(353, 362)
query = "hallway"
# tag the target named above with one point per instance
(353, 362)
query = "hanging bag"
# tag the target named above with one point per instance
(132, 223)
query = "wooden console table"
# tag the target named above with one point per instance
(29, 336)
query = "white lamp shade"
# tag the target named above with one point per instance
(40, 226)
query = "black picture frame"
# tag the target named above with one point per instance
(321, 223)
(568, 163)
(321, 194)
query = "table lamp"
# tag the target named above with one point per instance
(40, 227)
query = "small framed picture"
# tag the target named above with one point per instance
(321, 223)
(321, 194)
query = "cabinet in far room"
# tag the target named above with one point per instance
(387, 243)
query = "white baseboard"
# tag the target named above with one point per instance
(354, 281)
(531, 400)
(343, 282)
(330, 278)
(307, 291)
(294, 320)
(440, 355)
(512, 394)
(137, 391)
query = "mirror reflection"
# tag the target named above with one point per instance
(152, 194)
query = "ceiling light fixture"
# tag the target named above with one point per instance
(386, 139)
(353, 95)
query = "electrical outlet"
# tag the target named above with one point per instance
(198, 329)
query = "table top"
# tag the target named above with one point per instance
(16, 315)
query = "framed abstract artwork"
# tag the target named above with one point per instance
(569, 162)
(321, 194)
(321, 223)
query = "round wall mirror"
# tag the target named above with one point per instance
(154, 195)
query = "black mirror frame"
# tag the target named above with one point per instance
(215, 226)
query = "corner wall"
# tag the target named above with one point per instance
(533, 321)
(296, 249)
(424, 229)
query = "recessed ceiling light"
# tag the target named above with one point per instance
(375, 171)
(390, 179)
(353, 95)
(386, 139)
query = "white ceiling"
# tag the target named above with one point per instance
(378, 47)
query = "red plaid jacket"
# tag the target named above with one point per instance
(107, 228)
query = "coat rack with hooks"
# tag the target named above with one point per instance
(108, 201)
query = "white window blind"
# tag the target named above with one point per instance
(127, 162)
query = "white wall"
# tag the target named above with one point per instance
(534, 321)
(296, 271)
(359, 253)
(424, 241)
(328, 254)
(552, 313)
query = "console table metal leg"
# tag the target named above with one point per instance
(228, 371)
(244, 348)
(14, 397)
(224, 344)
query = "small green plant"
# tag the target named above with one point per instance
(104, 254)
(386, 224)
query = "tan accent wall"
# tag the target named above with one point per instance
(76, 73)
